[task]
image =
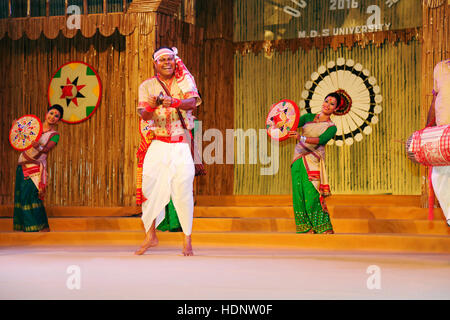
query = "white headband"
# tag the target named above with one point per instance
(165, 51)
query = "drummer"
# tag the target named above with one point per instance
(439, 114)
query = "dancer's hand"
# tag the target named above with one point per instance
(167, 101)
(152, 101)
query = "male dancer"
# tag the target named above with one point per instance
(439, 114)
(168, 169)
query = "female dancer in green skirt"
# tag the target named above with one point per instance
(309, 177)
(31, 177)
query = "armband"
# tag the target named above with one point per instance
(175, 103)
(149, 108)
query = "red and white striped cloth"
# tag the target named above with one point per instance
(184, 78)
(430, 146)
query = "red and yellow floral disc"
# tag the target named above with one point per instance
(24, 131)
(283, 117)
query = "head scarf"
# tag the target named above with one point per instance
(184, 78)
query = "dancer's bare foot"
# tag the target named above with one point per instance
(329, 232)
(146, 245)
(310, 231)
(45, 230)
(187, 246)
(151, 240)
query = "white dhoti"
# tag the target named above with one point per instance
(440, 178)
(168, 173)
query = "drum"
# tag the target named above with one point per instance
(430, 146)
(24, 131)
(283, 117)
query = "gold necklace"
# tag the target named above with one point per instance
(317, 118)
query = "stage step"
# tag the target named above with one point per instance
(336, 211)
(361, 203)
(74, 211)
(362, 226)
(361, 223)
(349, 242)
(286, 200)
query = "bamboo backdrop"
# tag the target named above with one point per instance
(84, 169)
(207, 51)
(187, 11)
(19, 8)
(107, 177)
(95, 161)
(375, 165)
(218, 87)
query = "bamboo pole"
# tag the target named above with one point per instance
(130, 115)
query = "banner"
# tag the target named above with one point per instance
(290, 19)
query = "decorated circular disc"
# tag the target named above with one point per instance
(24, 131)
(360, 99)
(76, 86)
(144, 128)
(283, 117)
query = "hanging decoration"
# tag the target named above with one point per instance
(360, 98)
(434, 3)
(76, 86)
(335, 42)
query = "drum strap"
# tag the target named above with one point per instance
(198, 165)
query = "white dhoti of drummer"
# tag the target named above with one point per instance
(168, 169)
(439, 114)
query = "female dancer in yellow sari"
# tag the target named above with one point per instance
(309, 177)
(31, 177)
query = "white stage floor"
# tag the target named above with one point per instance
(218, 273)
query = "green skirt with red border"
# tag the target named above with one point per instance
(29, 211)
(309, 212)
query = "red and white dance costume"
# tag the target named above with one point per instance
(440, 175)
(168, 169)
